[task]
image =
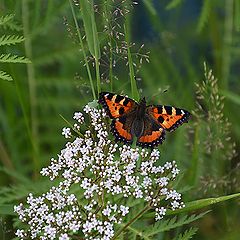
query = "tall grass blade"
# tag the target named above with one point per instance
(82, 48)
(231, 96)
(134, 89)
(205, 12)
(237, 15)
(90, 27)
(173, 4)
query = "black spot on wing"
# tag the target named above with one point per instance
(155, 127)
(125, 102)
(168, 110)
(121, 110)
(160, 119)
(178, 111)
(159, 109)
(118, 98)
(109, 96)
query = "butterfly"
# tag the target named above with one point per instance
(147, 123)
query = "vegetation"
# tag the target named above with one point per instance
(56, 56)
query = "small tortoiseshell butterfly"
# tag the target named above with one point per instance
(147, 123)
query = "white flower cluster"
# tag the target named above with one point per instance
(97, 179)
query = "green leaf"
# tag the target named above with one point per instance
(237, 15)
(187, 234)
(8, 58)
(173, 4)
(6, 18)
(134, 89)
(90, 27)
(231, 96)
(201, 203)
(166, 225)
(5, 76)
(7, 22)
(205, 12)
(11, 39)
(149, 5)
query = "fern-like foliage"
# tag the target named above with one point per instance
(172, 223)
(5, 76)
(6, 22)
(10, 39)
(9, 58)
(5, 19)
(187, 234)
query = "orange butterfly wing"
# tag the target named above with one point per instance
(168, 117)
(121, 110)
(152, 135)
(116, 105)
(121, 129)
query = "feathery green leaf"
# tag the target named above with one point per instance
(5, 76)
(6, 18)
(8, 58)
(10, 39)
(187, 234)
(166, 225)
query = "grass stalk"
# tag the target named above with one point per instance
(31, 82)
(227, 41)
(83, 50)
(134, 89)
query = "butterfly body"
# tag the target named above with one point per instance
(147, 123)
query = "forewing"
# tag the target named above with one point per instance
(169, 117)
(153, 134)
(116, 105)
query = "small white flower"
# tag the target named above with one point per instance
(79, 117)
(66, 132)
(64, 236)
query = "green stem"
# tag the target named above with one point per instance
(131, 221)
(83, 50)
(31, 80)
(134, 89)
(108, 22)
(227, 41)
(98, 75)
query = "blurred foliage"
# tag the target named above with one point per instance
(178, 37)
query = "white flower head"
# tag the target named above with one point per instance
(99, 170)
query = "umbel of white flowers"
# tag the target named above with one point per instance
(95, 178)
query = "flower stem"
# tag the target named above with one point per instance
(131, 221)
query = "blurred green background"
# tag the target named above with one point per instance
(178, 36)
